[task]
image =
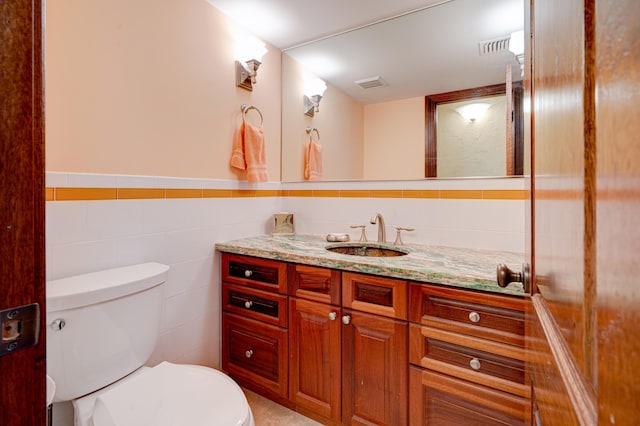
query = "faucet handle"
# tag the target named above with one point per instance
(399, 229)
(363, 235)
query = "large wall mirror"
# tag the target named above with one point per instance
(372, 114)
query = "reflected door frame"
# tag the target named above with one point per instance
(431, 122)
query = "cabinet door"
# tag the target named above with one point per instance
(375, 369)
(314, 361)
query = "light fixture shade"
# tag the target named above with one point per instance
(248, 47)
(248, 51)
(313, 90)
(516, 43)
(472, 112)
(314, 86)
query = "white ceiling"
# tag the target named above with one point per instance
(287, 23)
(431, 51)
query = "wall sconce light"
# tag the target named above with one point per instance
(249, 51)
(473, 112)
(516, 46)
(314, 89)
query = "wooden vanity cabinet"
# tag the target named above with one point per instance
(467, 358)
(255, 321)
(348, 348)
(348, 366)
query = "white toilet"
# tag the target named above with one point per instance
(102, 328)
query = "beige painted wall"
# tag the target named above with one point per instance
(394, 140)
(147, 88)
(340, 122)
(472, 149)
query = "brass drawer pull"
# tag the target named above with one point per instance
(474, 316)
(332, 316)
(249, 353)
(248, 304)
(346, 319)
(475, 364)
(248, 273)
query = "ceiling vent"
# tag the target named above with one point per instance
(371, 82)
(494, 46)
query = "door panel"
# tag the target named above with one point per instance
(314, 361)
(560, 330)
(618, 209)
(375, 370)
(559, 164)
(582, 336)
(22, 277)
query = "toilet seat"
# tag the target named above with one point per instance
(172, 394)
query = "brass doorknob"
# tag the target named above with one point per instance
(506, 276)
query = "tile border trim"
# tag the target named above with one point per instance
(94, 194)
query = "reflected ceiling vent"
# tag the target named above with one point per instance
(371, 82)
(494, 46)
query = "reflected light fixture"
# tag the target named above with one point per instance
(473, 112)
(249, 51)
(313, 91)
(516, 46)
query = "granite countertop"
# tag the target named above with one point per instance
(457, 267)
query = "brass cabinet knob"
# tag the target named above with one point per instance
(248, 304)
(332, 316)
(248, 273)
(249, 353)
(346, 319)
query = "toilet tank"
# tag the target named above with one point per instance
(102, 326)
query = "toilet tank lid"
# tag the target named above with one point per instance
(101, 286)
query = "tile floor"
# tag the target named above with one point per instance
(268, 413)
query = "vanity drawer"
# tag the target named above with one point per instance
(257, 304)
(497, 318)
(492, 364)
(255, 353)
(441, 400)
(264, 274)
(376, 295)
(314, 283)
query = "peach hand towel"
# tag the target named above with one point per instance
(313, 161)
(237, 155)
(249, 152)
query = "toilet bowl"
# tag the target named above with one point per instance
(103, 327)
(167, 395)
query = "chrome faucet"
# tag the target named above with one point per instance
(382, 235)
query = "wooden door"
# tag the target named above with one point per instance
(560, 332)
(582, 339)
(617, 229)
(314, 361)
(375, 370)
(22, 276)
